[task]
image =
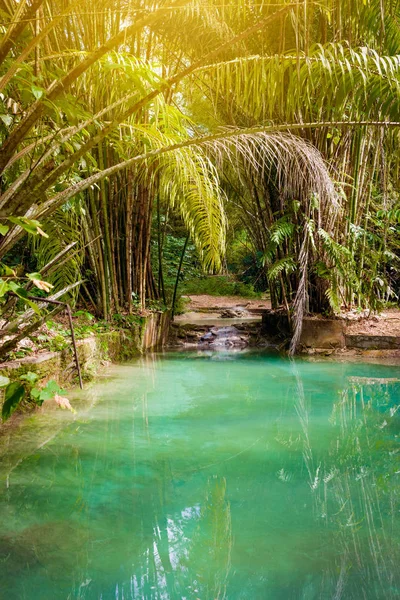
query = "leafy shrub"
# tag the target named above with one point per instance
(57, 343)
(180, 305)
(25, 391)
(126, 321)
(84, 316)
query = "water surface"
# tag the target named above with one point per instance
(210, 476)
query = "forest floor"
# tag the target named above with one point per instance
(386, 324)
(205, 308)
(205, 302)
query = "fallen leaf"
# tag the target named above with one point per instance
(63, 403)
(42, 285)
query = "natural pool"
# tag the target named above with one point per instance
(237, 476)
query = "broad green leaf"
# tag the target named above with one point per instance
(37, 92)
(15, 392)
(4, 381)
(35, 393)
(23, 294)
(7, 119)
(4, 288)
(30, 225)
(7, 271)
(49, 391)
(30, 377)
(4, 229)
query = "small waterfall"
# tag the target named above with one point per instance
(224, 337)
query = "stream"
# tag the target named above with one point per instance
(208, 475)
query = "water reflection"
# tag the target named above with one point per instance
(355, 488)
(195, 478)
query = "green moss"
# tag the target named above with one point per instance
(104, 346)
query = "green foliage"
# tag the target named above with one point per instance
(339, 256)
(242, 261)
(14, 394)
(59, 342)
(219, 285)
(48, 392)
(181, 305)
(333, 297)
(281, 230)
(339, 262)
(283, 265)
(84, 315)
(31, 226)
(126, 321)
(192, 278)
(12, 282)
(30, 378)
(171, 254)
(262, 127)
(24, 391)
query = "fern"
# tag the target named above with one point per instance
(281, 230)
(333, 298)
(342, 266)
(392, 215)
(283, 265)
(339, 255)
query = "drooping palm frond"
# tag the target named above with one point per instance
(186, 179)
(296, 168)
(190, 183)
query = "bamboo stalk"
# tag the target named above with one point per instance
(178, 273)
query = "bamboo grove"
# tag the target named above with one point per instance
(280, 119)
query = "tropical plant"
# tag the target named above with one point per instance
(25, 391)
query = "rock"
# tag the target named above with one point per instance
(207, 336)
(27, 343)
(233, 313)
(218, 338)
(228, 313)
(228, 337)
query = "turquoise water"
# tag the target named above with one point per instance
(209, 476)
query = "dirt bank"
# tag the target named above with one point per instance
(387, 323)
(203, 302)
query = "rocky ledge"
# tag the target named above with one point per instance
(203, 336)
